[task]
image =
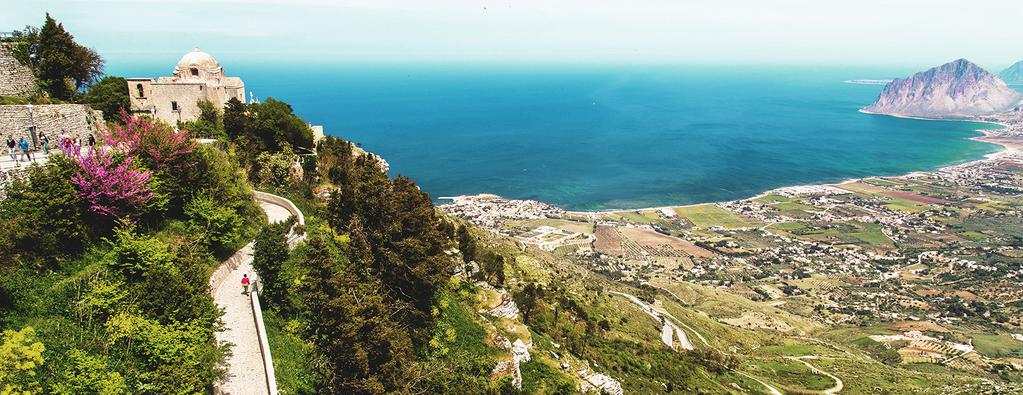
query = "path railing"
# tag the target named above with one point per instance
(264, 344)
(293, 237)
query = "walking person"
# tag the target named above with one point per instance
(46, 143)
(25, 153)
(92, 140)
(10, 149)
(245, 284)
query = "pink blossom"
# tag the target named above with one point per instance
(143, 136)
(108, 187)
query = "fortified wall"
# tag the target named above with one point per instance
(53, 119)
(16, 79)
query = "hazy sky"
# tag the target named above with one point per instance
(882, 32)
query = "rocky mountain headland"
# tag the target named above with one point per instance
(1013, 74)
(957, 89)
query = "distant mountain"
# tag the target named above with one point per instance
(1013, 74)
(955, 89)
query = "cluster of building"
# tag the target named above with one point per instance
(492, 211)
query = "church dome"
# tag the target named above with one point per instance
(197, 58)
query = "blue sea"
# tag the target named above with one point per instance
(611, 137)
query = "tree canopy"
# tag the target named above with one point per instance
(109, 95)
(62, 66)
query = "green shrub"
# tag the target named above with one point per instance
(175, 358)
(88, 374)
(43, 216)
(275, 170)
(214, 224)
(134, 254)
(20, 357)
(269, 256)
(109, 95)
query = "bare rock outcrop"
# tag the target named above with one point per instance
(957, 89)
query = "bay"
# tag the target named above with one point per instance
(611, 137)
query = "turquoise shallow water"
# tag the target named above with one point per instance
(590, 138)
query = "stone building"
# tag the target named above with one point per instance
(16, 79)
(197, 76)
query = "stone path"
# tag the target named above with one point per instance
(245, 374)
(6, 163)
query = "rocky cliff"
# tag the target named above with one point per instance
(955, 89)
(1013, 75)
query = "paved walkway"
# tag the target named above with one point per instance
(6, 162)
(245, 374)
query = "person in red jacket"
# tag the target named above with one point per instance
(245, 284)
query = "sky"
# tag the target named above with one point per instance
(864, 32)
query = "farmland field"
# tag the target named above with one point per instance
(709, 215)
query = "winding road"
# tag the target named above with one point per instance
(667, 338)
(838, 382)
(246, 373)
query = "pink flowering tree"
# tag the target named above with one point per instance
(110, 187)
(143, 137)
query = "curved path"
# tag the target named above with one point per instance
(667, 339)
(839, 385)
(669, 331)
(246, 373)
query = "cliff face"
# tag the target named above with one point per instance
(956, 89)
(1013, 74)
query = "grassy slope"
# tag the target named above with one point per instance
(702, 307)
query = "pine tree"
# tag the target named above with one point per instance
(351, 326)
(271, 250)
(63, 66)
(236, 122)
(466, 244)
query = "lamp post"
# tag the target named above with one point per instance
(32, 128)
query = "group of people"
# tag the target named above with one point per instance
(26, 148)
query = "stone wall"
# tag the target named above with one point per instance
(16, 79)
(52, 119)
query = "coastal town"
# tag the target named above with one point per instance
(930, 257)
(171, 233)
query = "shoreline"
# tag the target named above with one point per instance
(987, 136)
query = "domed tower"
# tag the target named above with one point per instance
(197, 77)
(198, 66)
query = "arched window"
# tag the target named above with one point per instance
(142, 92)
(195, 72)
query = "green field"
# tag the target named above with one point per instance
(871, 234)
(642, 217)
(792, 375)
(894, 203)
(768, 199)
(997, 345)
(787, 226)
(862, 188)
(792, 206)
(904, 205)
(709, 215)
(880, 181)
